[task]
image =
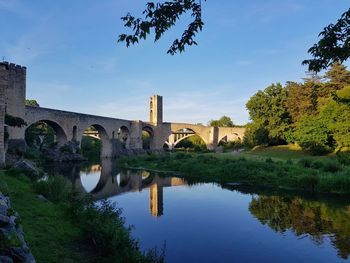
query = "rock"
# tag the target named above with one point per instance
(22, 254)
(26, 166)
(3, 209)
(4, 259)
(42, 198)
(4, 220)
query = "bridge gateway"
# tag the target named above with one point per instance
(70, 126)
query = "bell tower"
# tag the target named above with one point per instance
(156, 109)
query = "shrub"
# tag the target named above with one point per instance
(343, 157)
(104, 228)
(305, 162)
(268, 160)
(54, 188)
(309, 182)
(331, 166)
(66, 149)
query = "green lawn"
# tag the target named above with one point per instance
(48, 230)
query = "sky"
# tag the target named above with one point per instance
(74, 62)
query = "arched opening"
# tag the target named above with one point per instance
(124, 136)
(186, 139)
(231, 142)
(74, 135)
(93, 141)
(45, 134)
(147, 138)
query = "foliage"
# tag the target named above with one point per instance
(304, 218)
(91, 148)
(267, 110)
(224, 121)
(146, 140)
(338, 74)
(40, 135)
(14, 121)
(302, 99)
(313, 135)
(333, 45)
(72, 221)
(343, 157)
(46, 224)
(54, 188)
(308, 175)
(160, 17)
(32, 103)
(104, 228)
(193, 142)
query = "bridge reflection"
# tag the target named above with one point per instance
(107, 180)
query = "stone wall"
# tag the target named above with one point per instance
(13, 247)
(3, 87)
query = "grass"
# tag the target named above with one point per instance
(323, 175)
(48, 230)
(69, 227)
(282, 152)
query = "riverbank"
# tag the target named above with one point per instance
(61, 226)
(306, 174)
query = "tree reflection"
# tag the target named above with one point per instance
(315, 219)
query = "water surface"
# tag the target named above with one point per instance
(211, 223)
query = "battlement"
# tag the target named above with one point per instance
(13, 67)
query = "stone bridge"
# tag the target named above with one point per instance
(114, 133)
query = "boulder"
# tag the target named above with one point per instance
(4, 259)
(26, 166)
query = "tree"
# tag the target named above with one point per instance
(338, 74)
(334, 45)
(160, 17)
(312, 134)
(224, 121)
(268, 111)
(302, 99)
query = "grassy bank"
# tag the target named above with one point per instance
(69, 227)
(314, 175)
(51, 234)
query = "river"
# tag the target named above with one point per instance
(207, 222)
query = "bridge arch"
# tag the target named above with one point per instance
(124, 136)
(179, 134)
(60, 135)
(147, 137)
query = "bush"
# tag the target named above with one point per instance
(309, 182)
(331, 166)
(343, 157)
(104, 228)
(305, 162)
(54, 188)
(66, 149)
(268, 160)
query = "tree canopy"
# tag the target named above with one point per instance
(316, 115)
(333, 46)
(224, 121)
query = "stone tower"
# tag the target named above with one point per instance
(13, 78)
(3, 87)
(156, 109)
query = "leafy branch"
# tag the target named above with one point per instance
(334, 45)
(160, 17)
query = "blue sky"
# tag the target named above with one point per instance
(75, 64)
